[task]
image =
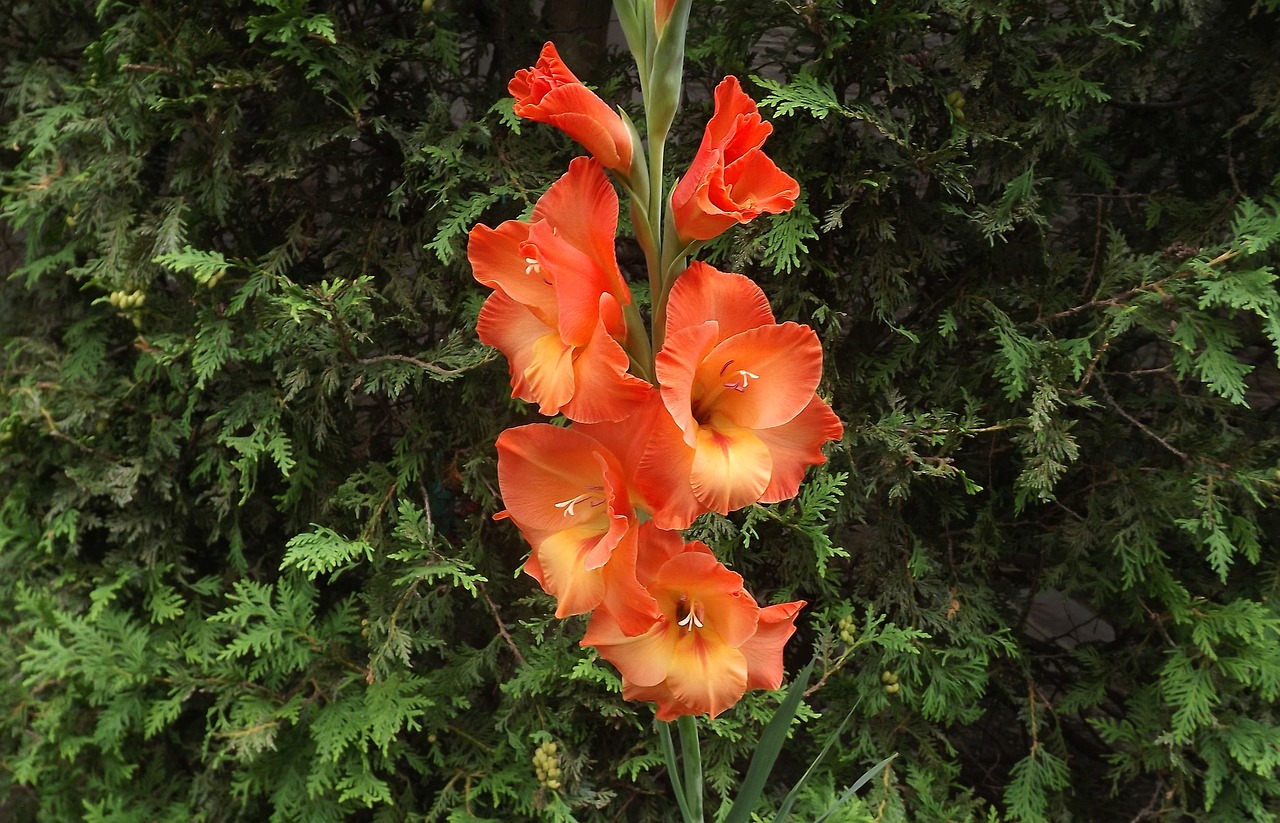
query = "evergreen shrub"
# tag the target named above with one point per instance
(248, 567)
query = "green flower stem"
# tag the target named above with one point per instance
(673, 769)
(654, 251)
(637, 343)
(692, 755)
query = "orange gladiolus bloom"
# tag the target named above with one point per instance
(709, 641)
(730, 180)
(556, 311)
(565, 493)
(742, 418)
(549, 93)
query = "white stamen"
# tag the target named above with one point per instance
(691, 620)
(742, 386)
(531, 265)
(568, 505)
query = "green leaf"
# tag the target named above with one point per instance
(768, 749)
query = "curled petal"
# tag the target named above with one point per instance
(763, 650)
(796, 445)
(603, 389)
(540, 363)
(558, 563)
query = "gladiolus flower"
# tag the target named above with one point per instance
(742, 420)
(730, 180)
(565, 493)
(709, 641)
(549, 93)
(556, 311)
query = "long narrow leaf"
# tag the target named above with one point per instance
(775, 734)
(848, 793)
(795, 790)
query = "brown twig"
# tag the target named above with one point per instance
(1136, 422)
(1119, 299)
(422, 364)
(502, 630)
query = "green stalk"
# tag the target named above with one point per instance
(673, 769)
(637, 343)
(692, 754)
(653, 253)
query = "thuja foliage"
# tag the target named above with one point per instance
(248, 568)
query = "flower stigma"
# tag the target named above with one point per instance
(744, 377)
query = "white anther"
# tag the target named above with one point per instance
(690, 620)
(742, 385)
(568, 505)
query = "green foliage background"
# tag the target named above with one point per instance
(247, 565)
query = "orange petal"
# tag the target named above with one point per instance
(760, 378)
(549, 375)
(550, 93)
(541, 466)
(656, 546)
(755, 185)
(662, 477)
(796, 445)
(643, 659)
(558, 564)
(677, 366)
(735, 125)
(629, 603)
(602, 388)
(541, 365)
(705, 293)
(498, 260)
(668, 707)
(731, 467)
(662, 13)
(763, 650)
(628, 438)
(583, 207)
(530, 85)
(706, 676)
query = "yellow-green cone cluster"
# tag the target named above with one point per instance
(127, 300)
(546, 765)
(846, 628)
(890, 681)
